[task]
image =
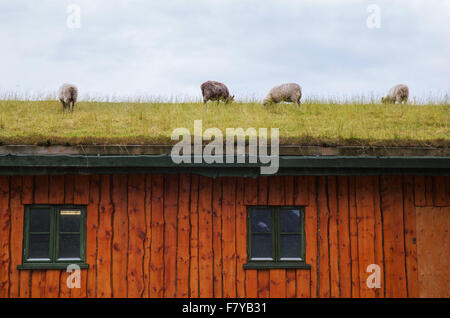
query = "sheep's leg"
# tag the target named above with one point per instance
(73, 105)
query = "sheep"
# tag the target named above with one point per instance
(290, 92)
(67, 95)
(399, 93)
(215, 91)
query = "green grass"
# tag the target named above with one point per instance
(43, 122)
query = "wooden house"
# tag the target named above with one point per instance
(333, 222)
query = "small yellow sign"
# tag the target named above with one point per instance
(70, 212)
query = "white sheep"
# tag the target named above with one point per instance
(399, 93)
(67, 95)
(290, 92)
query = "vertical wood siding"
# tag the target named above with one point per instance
(185, 235)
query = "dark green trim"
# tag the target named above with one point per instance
(276, 241)
(50, 265)
(54, 262)
(289, 165)
(271, 265)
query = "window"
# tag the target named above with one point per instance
(276, 237)
(54, 236)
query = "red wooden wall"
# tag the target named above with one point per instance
(185, 235)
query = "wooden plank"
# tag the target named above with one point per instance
(410, 237)
(429, 190)
(433, 260)
(38, 277)
(157, 247)
(205, 238)
(311, 237)
(148, 234)
(16, 249)
(104, 241)
(301, 197)
(379, 253)
(324, 257)
(291, 277)
(366, 229)
(344, 237)
(81, 196)
(5, 230)
(228, 236)
(193, 272)
(447, 187)
(170, 234)
(333, 238)
(81, 189)
(120, 237)
(56, 196)
(419, 190)
(136, 235)
(263, 274)
(439, 191)
(353, 238)
(241, 238)
(69, 188)
(91, 234)
(183, 229)
(27, 198)
(277, 276)
(251, 275)
(393, 229)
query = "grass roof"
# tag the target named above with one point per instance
(43, 122)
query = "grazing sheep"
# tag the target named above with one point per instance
(67, 95)
(290, 92)
(399, 93)
(215, 91)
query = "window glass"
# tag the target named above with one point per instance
(69, 220)
(39, 246)
(69, 246)
(261, 220)
(261, 246)
(289, 246)
(290, 220)
(39, 220)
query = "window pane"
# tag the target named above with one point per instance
(39, 246)
(39, 220)
(290, 246)
(289, 220)
(261, 246)
(69, 246)
(69, 220)
(261, 220)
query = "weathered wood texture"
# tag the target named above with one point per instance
(185, 235)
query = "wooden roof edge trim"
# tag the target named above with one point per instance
(284, 150)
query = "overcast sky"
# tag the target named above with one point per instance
(169, 47)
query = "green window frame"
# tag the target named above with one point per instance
(271, 236)
(54, 237)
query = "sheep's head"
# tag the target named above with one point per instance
(384, 100)
(266, 102)
(230, 99)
